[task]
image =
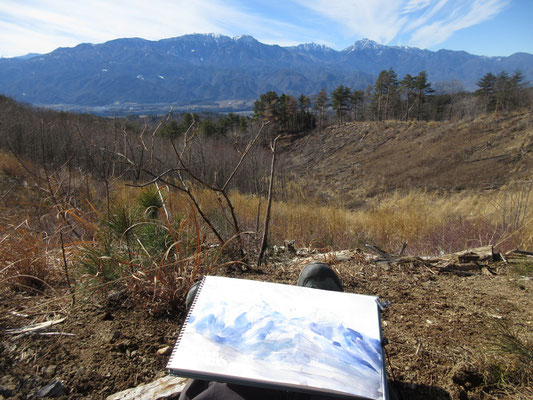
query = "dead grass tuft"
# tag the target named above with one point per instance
(24, 259)
(509, 368)
(11, 167)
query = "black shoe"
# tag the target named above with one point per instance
(319, 275)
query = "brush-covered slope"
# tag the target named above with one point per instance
(362, 159)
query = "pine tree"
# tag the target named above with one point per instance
(208, 128)
(321, 104)
(408, 87)
(517, 89)
(267, 107)
(486, 91)
(423, 89)
(229, 123)
(304, 102)
(341, 101)
(170, 130)
(357, 98)
(385, 93)
(502, 91)
(288, 108)
(508, 91)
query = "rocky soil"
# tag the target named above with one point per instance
(440, 329)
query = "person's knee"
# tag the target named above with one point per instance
(319, 275)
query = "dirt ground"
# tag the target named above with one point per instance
(438, 329)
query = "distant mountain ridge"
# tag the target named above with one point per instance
(209, 68)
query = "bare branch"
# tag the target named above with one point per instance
(156, 178)
(248, 148)
(269, 203)
(235, 224)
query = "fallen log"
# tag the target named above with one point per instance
(405, 260)
(519, 253)
(378, 251)
(485, 253)
(462, 269)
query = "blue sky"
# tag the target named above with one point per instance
(484, 27)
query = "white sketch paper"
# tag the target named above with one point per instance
(292, 337)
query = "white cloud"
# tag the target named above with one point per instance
(421, 23)
(43, 25)
(102, 18)
(425, 17)
(415, 5)
(53, 23)
(379, 20)
(464, 16)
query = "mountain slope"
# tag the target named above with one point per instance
(195, 69)
(362, 159)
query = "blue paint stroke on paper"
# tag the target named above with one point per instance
(267, 335)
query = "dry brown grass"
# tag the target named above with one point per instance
(25, 261)
(361, 160)
(430, 222)
(24, 258)
(10, 166)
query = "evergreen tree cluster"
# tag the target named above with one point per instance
(288, 113)
(218, 126)
(388, 99)
(501, 92)
(409, 98)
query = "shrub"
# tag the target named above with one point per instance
(155, 260)
(150, 201)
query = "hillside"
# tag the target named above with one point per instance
(357, 160)
(140, 76)
(95, 268)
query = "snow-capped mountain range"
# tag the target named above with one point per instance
(206, 68)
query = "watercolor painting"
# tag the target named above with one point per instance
(286, 335)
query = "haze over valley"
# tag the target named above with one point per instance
(220, 73)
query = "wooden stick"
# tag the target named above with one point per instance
(269, 202)
(36, 327)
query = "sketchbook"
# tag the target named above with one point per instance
(283, 337)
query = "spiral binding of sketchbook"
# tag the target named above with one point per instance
(283, 337)
(185, 322)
